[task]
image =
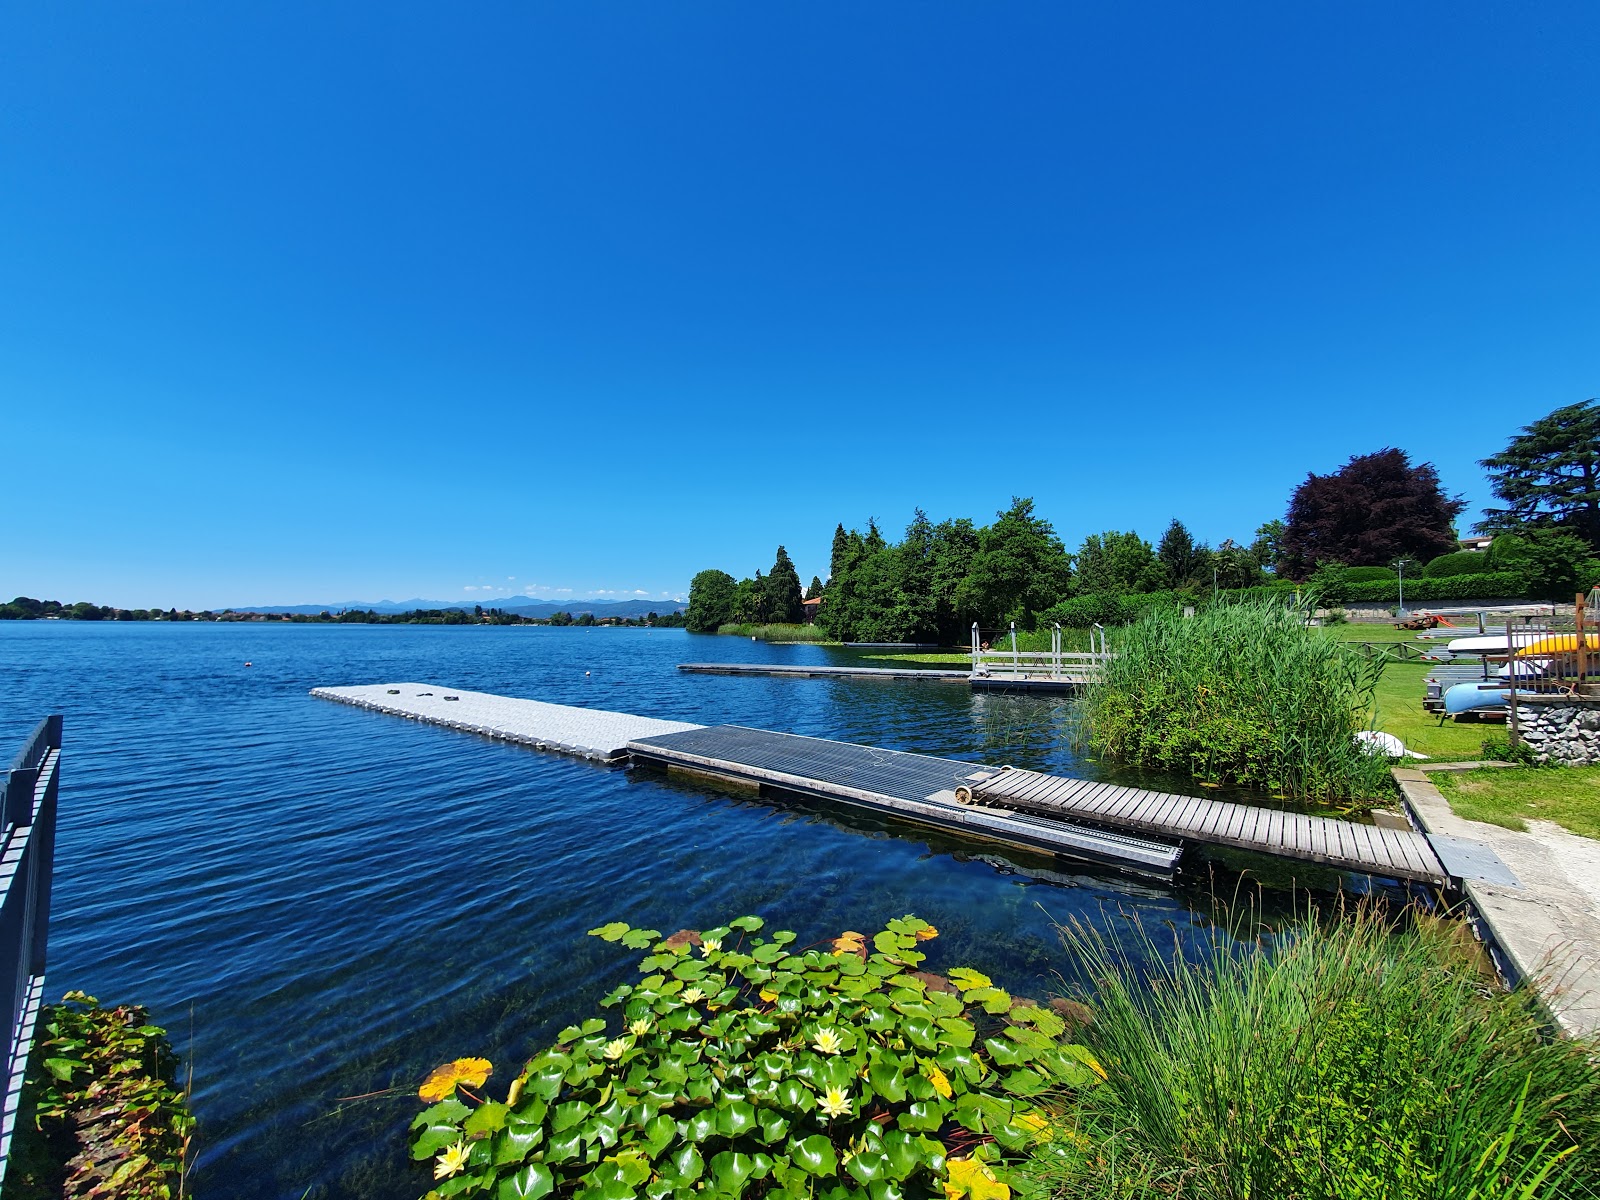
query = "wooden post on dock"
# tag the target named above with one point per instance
(1513, 727)
(1583, 644)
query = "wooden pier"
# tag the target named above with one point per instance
(824, 672)
(1131, 828)
(1347, 845)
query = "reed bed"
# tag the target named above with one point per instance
(1335, 1061)
(1242, 695)
(777, 633)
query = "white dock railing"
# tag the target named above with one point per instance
(1053, 664)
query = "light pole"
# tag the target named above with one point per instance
(1400, 565)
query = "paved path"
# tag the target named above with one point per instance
(1546, 925)
(586, 732)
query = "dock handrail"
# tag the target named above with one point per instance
(1054, 663)
(27, 853)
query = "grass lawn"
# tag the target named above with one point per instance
(1569, 796)
(1400, 712)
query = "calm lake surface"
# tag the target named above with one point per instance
(320, 902)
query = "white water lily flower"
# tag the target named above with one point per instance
(615, 1048)
(693, 996)
(451, 1161)
(710, 946)
(827, 1042)
(835, 1103)
(639, 1028)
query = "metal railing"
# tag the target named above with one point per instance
(1055, 663)
(27, 854)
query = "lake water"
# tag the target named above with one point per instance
(320, 902)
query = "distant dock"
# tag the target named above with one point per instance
(822, 672)
(1132, 828)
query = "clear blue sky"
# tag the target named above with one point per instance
(318, 303)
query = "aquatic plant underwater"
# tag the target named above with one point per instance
(741, 1067)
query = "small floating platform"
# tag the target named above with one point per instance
(821, 672)
(586, 732)
(914, 787)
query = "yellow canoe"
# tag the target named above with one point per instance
(1560, 643)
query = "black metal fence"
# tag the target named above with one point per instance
(27, 857)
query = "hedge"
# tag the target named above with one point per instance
(1487, 585)
(1462, 562)
(1368, 574)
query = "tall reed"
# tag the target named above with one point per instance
(1336, 1062)
(1239, 694)
(777, 633)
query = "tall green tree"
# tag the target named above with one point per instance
(815, 590)
(1267, 549)
(1118, 563)
(781, 600)
(1549, 475)
(1184, 561)
(1554, 564)
(1021, 568)
(1374, 509)
(711, 597)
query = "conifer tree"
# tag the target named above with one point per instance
(1549, 476)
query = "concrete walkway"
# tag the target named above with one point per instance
(1545, 928)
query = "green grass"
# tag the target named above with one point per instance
(1340, 1061)
(1569, 796)
(930, 658)
(1399, 711)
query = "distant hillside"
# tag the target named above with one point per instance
(525, 606)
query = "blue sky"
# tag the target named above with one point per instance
(318, 303)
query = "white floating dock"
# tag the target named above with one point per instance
(587, 732)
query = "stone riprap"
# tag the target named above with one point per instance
(1567, 735)
(587, 732)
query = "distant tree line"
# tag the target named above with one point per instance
(25, 608)
(1347, 535)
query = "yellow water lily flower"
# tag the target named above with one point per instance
(615, 1048)
(693, 996)
(442, 1082)
(451, 1161)
(827, 1042)
(940, 1081)
(835, 1103)
(640, 1027)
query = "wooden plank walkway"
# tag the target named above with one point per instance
(822, 672)
(1395, 853)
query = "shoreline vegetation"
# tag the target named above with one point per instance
(1361, 1053)
(26, 608)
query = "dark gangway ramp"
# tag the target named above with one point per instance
(916, 787)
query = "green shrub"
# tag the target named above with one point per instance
(749, 1070)
(1094, 608)
(1240, 694)
(1492, 585)
(1339, 1061)
(1368, 574)
(1462, 562)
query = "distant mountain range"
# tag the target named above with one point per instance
(525, 606)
